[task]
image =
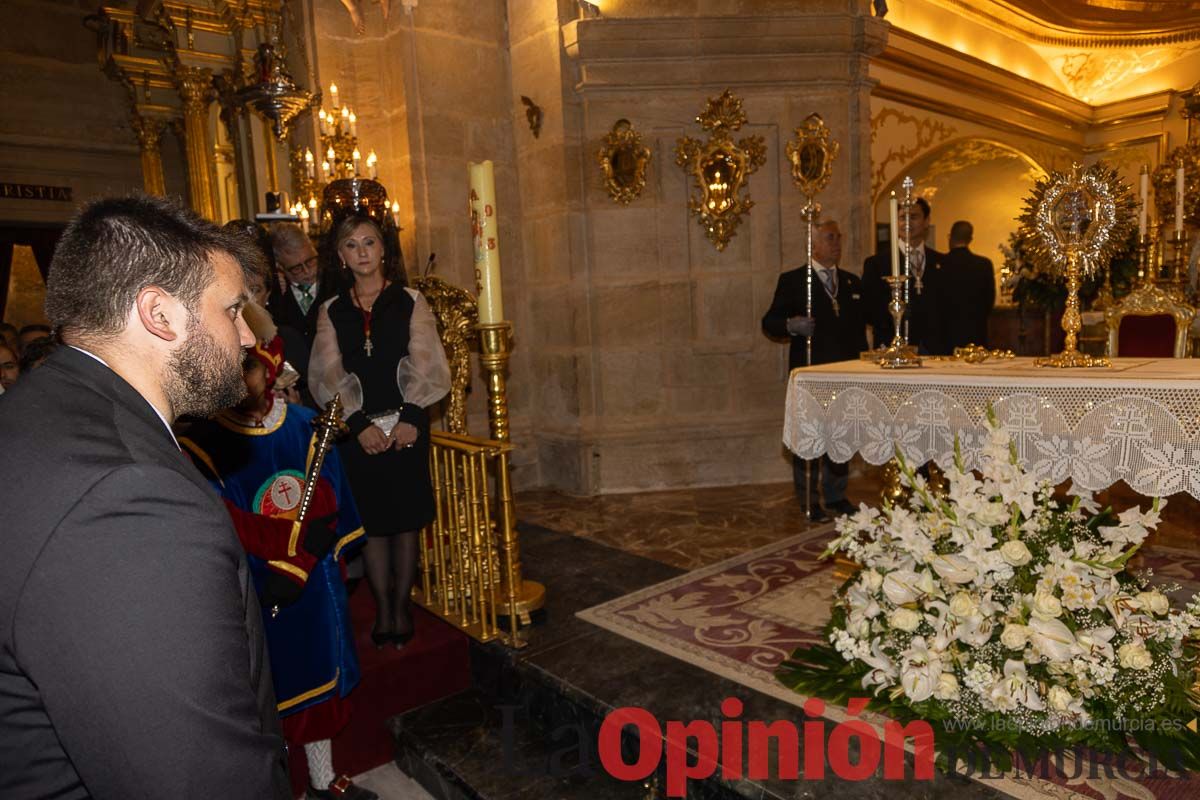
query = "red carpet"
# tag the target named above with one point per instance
(433, 665)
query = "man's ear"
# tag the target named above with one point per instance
(160, 313)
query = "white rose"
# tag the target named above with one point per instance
(962, 604)
(905, 619)
(872, 580)
(1134, 656)
(1155, 602)
(1014, 636)
(1015, 552)
(900, 586)
(947, 688)
(1046, 606)
(1059, 698)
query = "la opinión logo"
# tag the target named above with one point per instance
(742, 748)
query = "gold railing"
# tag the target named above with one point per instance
(470, 557)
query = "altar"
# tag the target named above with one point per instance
(1137, 421)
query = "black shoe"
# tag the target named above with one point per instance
(342, 788)
(817, 514)
(380, 638)
(842, 506)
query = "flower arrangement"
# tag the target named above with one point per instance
(1007, 617)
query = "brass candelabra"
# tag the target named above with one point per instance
(522, 597)
(899, 354)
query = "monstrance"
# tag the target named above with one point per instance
(1079, 217)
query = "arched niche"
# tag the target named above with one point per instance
(980, 180)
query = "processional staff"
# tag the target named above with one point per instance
(327, 426)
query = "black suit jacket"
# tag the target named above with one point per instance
(132, 659)
(970, 285)
(836, 337)
(926, 322)
(286, 311)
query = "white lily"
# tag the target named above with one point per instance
(1051, 638)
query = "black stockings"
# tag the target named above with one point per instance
(391, 566)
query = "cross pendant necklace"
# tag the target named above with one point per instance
(368, 347)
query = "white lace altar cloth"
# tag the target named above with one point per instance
(1138, 421)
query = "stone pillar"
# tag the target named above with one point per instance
(149, 133)
(195, 88)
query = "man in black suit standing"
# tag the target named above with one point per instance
(970, 283)
(926, 292)
(132, 659)
(837, 330)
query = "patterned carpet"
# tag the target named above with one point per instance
(741, 617)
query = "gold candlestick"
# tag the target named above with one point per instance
(522, 597)
(1179, 266)
(899, 354)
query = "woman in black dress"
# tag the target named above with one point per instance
(377, 345)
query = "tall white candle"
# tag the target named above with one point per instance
(1144, 194)
(487, 242)
(309, 165)
(333, 93)
(1179, 200)
(353, 124)
(893, 221)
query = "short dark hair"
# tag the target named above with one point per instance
(923, 204)
(115, 247)
(36, 352)
(961, 232)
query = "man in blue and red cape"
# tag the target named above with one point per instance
(256, 455)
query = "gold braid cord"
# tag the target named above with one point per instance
(457, 315)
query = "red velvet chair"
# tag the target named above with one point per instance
(1149, 323)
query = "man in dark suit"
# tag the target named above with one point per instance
(926, 292)
(970, 285)
(837, 330)
(305, 288)
(132, 659)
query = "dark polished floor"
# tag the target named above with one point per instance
(692, 528)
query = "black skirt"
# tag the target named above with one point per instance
(393, 490)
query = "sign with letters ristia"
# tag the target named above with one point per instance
(29, 191)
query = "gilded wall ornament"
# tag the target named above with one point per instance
(720, 167)
(624, 159)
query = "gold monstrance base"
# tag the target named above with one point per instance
(1071, 323)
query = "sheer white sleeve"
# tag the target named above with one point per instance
(424, 374)
(326, 375)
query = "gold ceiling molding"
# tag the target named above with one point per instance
(1039, 100)
(1089, 72)
(967, 153)
(925, 134)
(1010, 19)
